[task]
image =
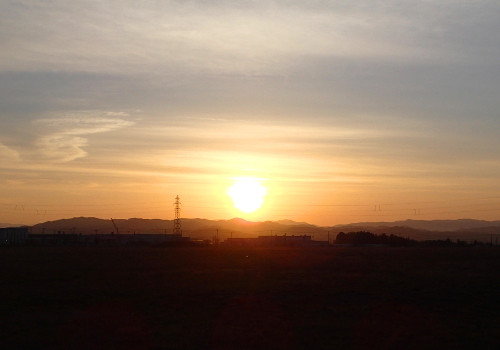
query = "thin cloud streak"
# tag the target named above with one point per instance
(65, 143)
(7, 154)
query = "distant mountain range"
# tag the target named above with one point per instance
(465, 229)
(432, 225)
(195, 228)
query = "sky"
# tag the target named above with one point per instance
(345, 111)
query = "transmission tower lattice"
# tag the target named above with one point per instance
(177, 220)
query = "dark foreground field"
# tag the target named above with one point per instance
(214, 298)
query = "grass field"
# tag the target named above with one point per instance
(217, 298)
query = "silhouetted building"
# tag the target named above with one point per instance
(13, 235)
(274, 241)
(133, 239)
(52, 239)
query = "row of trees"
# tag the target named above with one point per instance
(364, 238)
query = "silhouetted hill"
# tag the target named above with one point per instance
(488, 229)
(292, 223)
(431, 225)
(194, 228)
(207, 229)
(479, 234)
(469, 230)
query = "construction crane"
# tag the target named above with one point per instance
(116, 227)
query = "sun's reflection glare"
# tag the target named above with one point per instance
(247, 194)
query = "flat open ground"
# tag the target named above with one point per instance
(217, 298)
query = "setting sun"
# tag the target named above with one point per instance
(247, 194)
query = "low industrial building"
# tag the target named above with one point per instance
(52, 239)
(131, 239)
(111, 239)
(275, 241)
(13, 235)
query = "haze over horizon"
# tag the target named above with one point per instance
(344, 111)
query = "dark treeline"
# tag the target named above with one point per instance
(368, 238)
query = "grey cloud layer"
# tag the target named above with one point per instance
(238, 37)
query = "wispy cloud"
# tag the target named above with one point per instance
(64, 140)
(8, 154)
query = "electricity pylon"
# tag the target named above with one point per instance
(177, 220)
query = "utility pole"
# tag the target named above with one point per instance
(215, 239)
(177, 220)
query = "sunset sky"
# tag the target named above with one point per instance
(345, 111)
